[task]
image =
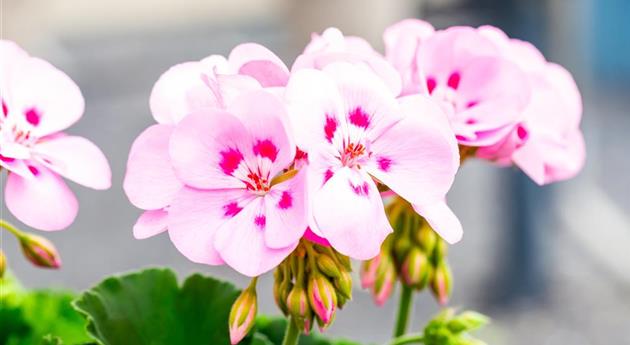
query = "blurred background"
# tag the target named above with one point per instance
(550, 265)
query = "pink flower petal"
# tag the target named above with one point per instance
(46, 96)
(260, 63)
(196, 216)
(179, 92)
(150, 223)
(44, 202)
(208, 147)
(286, 212)
(266, 118)
(150, 182)
(11, 57)
(442, 220)
(349, 211)
(314, 107)
(77, 159)
(241, 241)
(418, 157)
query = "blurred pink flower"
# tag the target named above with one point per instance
(231, 210)
(38, 102)
(483, 93)
(332, 46)
(354, 131)
(548, 144)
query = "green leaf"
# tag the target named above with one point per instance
(273, 328)
(149, 308)
(26, 316)
(51, 340)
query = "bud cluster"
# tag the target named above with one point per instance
(414, 253)
(311, 284)
(447, 328)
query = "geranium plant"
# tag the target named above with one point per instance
(348, 154)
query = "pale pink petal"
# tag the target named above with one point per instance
(442, 220)
(11, 57)
(418, 157)
(241, 242)
(349, 211)
(195, 216)
(47, 96)
(180, 91)
(44, 202)
(266, 118)
(76, 159)
(286, 212)
(260, 63)
(150, 223)
(315, 107)
(150, 182)
(402, 43)
(208, 148)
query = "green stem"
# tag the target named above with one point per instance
(292, 334)
(10, 228)
(408, 339)
(404, 309)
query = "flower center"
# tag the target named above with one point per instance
(353, 154)
(16, 137)
(256, 183)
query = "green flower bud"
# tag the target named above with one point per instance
(416, 269)
(327, 266)
(441, 283)
(243, 314)
(39, 251)
(426, 237)
(467, 321)
(3, 264)
(322, 297)
(344, 284)
(385, 280)
(299, 308)
(402, 245)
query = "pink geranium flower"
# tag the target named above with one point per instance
(483, 93)
(355, 132)
(231, 209)
(548, 144)
(214, 82)
(38, 102)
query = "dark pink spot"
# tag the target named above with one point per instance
(32, 116)
(471, 104)
(361, 190)
(260, 221)
(471, 121)
(521, 132)
(431, 84)
(299, 155)
(286, 200)
(33, 170)
(460, 138)
(328, 175)
(231, 209)
(230, 159)
(5, 109)
(453, 80)
(359, 118)
(330, 127)
(267, 149)
(384, 163)
(6, 159)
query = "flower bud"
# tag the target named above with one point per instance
(385, 280)
(328, 266)
(299, 308)
(344, 284)
(441, 250)
(39, 251)
(322, 297)
(416, 269)
(467, 321)
(243, 314)
(3, 264)
(280, 287)
(441, 283)
(402, 245)
(427, 238)
(368, 271)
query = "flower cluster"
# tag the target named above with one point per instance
(38, 102)
(249, 157)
